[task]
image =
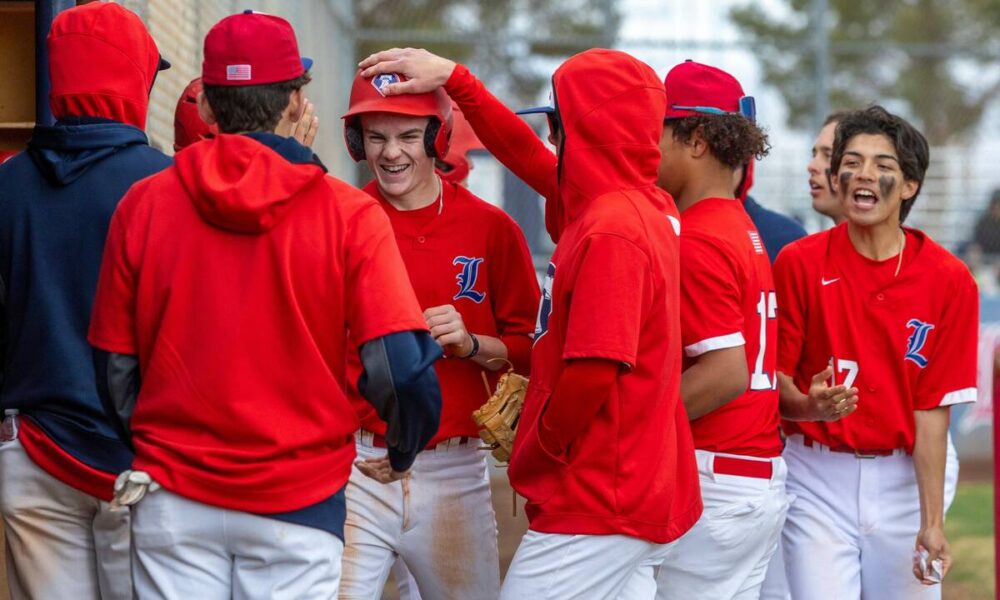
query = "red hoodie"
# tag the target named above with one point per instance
(102, 63)
(612, 293)
(232, 275)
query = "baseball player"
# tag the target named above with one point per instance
(729, 334)
(59, 452)
(470, 267)
(228, 280)
(603, 452)
(885, 311)
(824, 199)
(453, 168)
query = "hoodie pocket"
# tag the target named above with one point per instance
(534, 472)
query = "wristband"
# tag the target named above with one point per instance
(475, 347)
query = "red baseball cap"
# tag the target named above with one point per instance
(695, 89)
(252, 48)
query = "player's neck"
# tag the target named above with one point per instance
(876, 242)
(704, 187)
(421, 196)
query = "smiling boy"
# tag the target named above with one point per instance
(470, 267)
(895, 317)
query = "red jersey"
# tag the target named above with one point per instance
(612, 292)
(232, 275)
(473, 256)
(728, 300)
(907, 342)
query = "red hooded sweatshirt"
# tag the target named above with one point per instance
(612, 293)
(233, 276)
(102, 63)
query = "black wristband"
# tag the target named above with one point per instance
(475, 347)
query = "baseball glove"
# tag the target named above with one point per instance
(497, 419)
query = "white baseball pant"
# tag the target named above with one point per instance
(550, 566)
(725, 555)
(776, 581)
(851, 530)
(406, 585)
(61, 542)
(185, 549)
(439, 520)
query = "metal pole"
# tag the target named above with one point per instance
(821, 47)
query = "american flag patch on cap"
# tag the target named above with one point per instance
(238, 73)
(755, 240)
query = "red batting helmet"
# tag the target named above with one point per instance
(188, 126)
(367, 97)
(463, 141)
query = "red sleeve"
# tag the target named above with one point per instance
(379, 297)
(112, 323)
(711, 299)
(950, 348)
(612, 293)
(515, 292)
(510, 139)
(790, 283)
(583, 388)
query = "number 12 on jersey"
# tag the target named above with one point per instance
(767, 309)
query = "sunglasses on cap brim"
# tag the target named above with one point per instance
(748, 109)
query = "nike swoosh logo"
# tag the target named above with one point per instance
(826, 281)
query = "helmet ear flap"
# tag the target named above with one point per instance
(354, 140)
(437, 138)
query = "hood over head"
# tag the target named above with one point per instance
(102, 63)
(611, 107)
(246, 183)
(65, 152)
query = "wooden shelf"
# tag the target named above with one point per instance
(16, 5)
(17, 72)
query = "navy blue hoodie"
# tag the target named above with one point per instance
(56, 201)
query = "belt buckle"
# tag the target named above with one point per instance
(858, 454)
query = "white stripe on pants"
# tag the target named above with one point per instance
(61, 542)
(186, 550)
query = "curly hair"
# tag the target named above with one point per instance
(251, 107)
(911, 146)
(733, 140)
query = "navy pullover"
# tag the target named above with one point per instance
(56, 200)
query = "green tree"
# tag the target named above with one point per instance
(932, 59)
(505, 43)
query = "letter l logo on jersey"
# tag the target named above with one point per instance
(916, 341)
(467, 278)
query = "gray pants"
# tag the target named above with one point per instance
(61, 542)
